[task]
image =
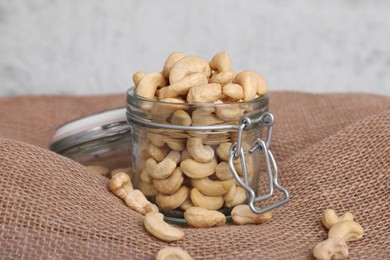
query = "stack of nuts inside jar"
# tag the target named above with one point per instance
(191, 173)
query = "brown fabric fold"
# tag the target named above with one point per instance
(333, 151)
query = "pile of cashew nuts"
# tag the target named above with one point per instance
(181, 170)
(341, 230)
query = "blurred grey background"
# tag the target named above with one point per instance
(94, 47)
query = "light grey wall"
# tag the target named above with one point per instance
(94, 47)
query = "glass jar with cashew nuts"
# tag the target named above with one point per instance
(185, 121)
(177, 169)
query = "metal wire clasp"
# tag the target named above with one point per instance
(237, 152)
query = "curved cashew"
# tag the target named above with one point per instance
(188, 65)
(205, 116)
(233, 91)
(172, 253)
(137, 77)
(186, 204)
(332, 248)
(156, 226)
(212, 188)
(348, 230)
(330, 218)
(206, 93)
(164, 168)
(223, 172)
(171, 60)
(137, 201)
(223, 78)
(181, 117)
(223, 151)
(220, 62)
(197, 170)
(158, 153)
(171, 184)
(262, 87)
(242, 214)
(172, 201)
(201, 217)
(148, 85)
(207, 202)
(229, 112)
(156, 139)
(182, 86)
(198, 151)
(99, 169)
(120, 184)
(248, 83)
(239, 198)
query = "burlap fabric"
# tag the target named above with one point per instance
(333, 151)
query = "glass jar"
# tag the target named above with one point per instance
(100, 139)
(206, 155)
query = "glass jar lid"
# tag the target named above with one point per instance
(107, 124)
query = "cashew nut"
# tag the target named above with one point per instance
(220, 62)
(332, 248)
(197, 170)
(233, 91)
(171, 60)
(239, 198)
(121, 185)
(137, 77)
(223, 172)
(207, 202)
(182, 86)
(172, 253)
(148, 85)
(246, 80)
(188, 65)
(156, 139)
(200, 217)
(164, 168)
(137, 201)
(262, 87)
(171, 184)
(348, 230)
(223, 151)
(156, 226)
(330, 218)
(172, 201)
(209, 187)
(198, 151)
(242, 214)
(229, 112)
(223, 78)
(181, 117)
(206, 93)
(158, 153)
(205, 116)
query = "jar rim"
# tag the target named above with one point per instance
(131, 96)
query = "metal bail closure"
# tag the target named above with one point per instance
(237, 151)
